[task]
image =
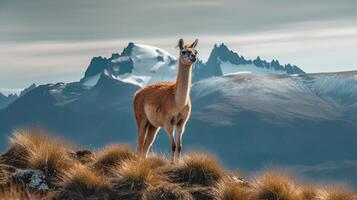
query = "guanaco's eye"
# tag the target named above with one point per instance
(184, 52)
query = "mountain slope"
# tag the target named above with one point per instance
(74, 110)
(249, 121)
(6, 100)
(306, 122)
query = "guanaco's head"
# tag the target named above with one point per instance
(188, 53)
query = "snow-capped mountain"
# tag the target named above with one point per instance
(142, 65)
(7, 100)
(137, 64)
(28, 89)
(223, 61)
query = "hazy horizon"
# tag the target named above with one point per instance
(53, 41)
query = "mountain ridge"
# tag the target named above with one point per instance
(201, 70)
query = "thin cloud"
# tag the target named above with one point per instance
(313, 46)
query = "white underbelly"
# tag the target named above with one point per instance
(153, 115)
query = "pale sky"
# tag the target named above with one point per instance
(44, 41)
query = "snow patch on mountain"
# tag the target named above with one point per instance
(138, 64)
(230, 69)
(151, 65)
(223, 61)
(91, 81)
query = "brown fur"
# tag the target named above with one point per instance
(164, 104)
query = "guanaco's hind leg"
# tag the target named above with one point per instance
(142, 130)
(141, 121)
(150, 137)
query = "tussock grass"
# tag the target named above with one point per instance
(156, 161)
(339, 193)
(202, 192)
(230, 189)
(36, 150)
(16, 192)
(116, 173)
(133, 177)
(83, 156)
(21, 142)
(51, 157)
(309, 192)
(167, 191)
(195, 169)
(4, 174)
(111, 156)
(81, 182)
(273, 185)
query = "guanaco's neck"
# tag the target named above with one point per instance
(183, 85)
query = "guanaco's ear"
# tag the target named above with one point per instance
(180, 44)
(194, 44)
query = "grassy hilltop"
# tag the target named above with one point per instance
(37, 166)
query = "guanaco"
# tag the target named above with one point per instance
(166, 105)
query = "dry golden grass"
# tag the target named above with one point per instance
(156, 162)
(36, 150)
(111, 156)
(116, 173)
(230, 189)
(167, 191)
(80, 182)
(202, 192)
(133, 177)
(15, 192)
(21, 142)
(195, 169)
(4, 174)
(141, 171)
(273, 185)
(339, 193)
(83, 156)
(309, 192)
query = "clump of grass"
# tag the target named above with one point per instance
(111, 156)
(273, 185)
(156, 162)
(196, 169)
(36, 150)
(80, 182)
(4, 174)
(202, 192)
(83, 156)
(21, 142)
(309, 192)
(16, 192)
(52, 158)
(230, 189)
(167, 191)
(339, 193)
(133, 177)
